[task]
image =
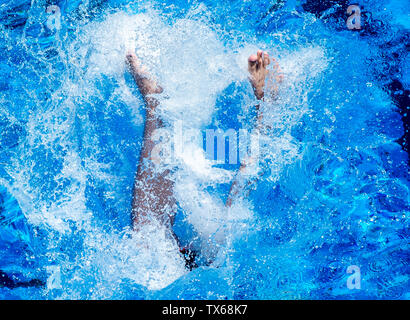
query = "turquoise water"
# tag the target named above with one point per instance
(333, 190)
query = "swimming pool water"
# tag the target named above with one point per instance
(334, 184)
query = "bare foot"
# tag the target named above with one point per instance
(257, 66)
(146, 85)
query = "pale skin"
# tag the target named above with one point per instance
(153, 192)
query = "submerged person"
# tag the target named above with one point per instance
(153, 198)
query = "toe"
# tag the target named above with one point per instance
(253, 58)
(260, 58)
(252, 62)
(266, 60)
(131, 55)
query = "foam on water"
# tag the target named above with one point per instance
(193, 66)
(72, 170)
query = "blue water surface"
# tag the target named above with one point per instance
(338, 198)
